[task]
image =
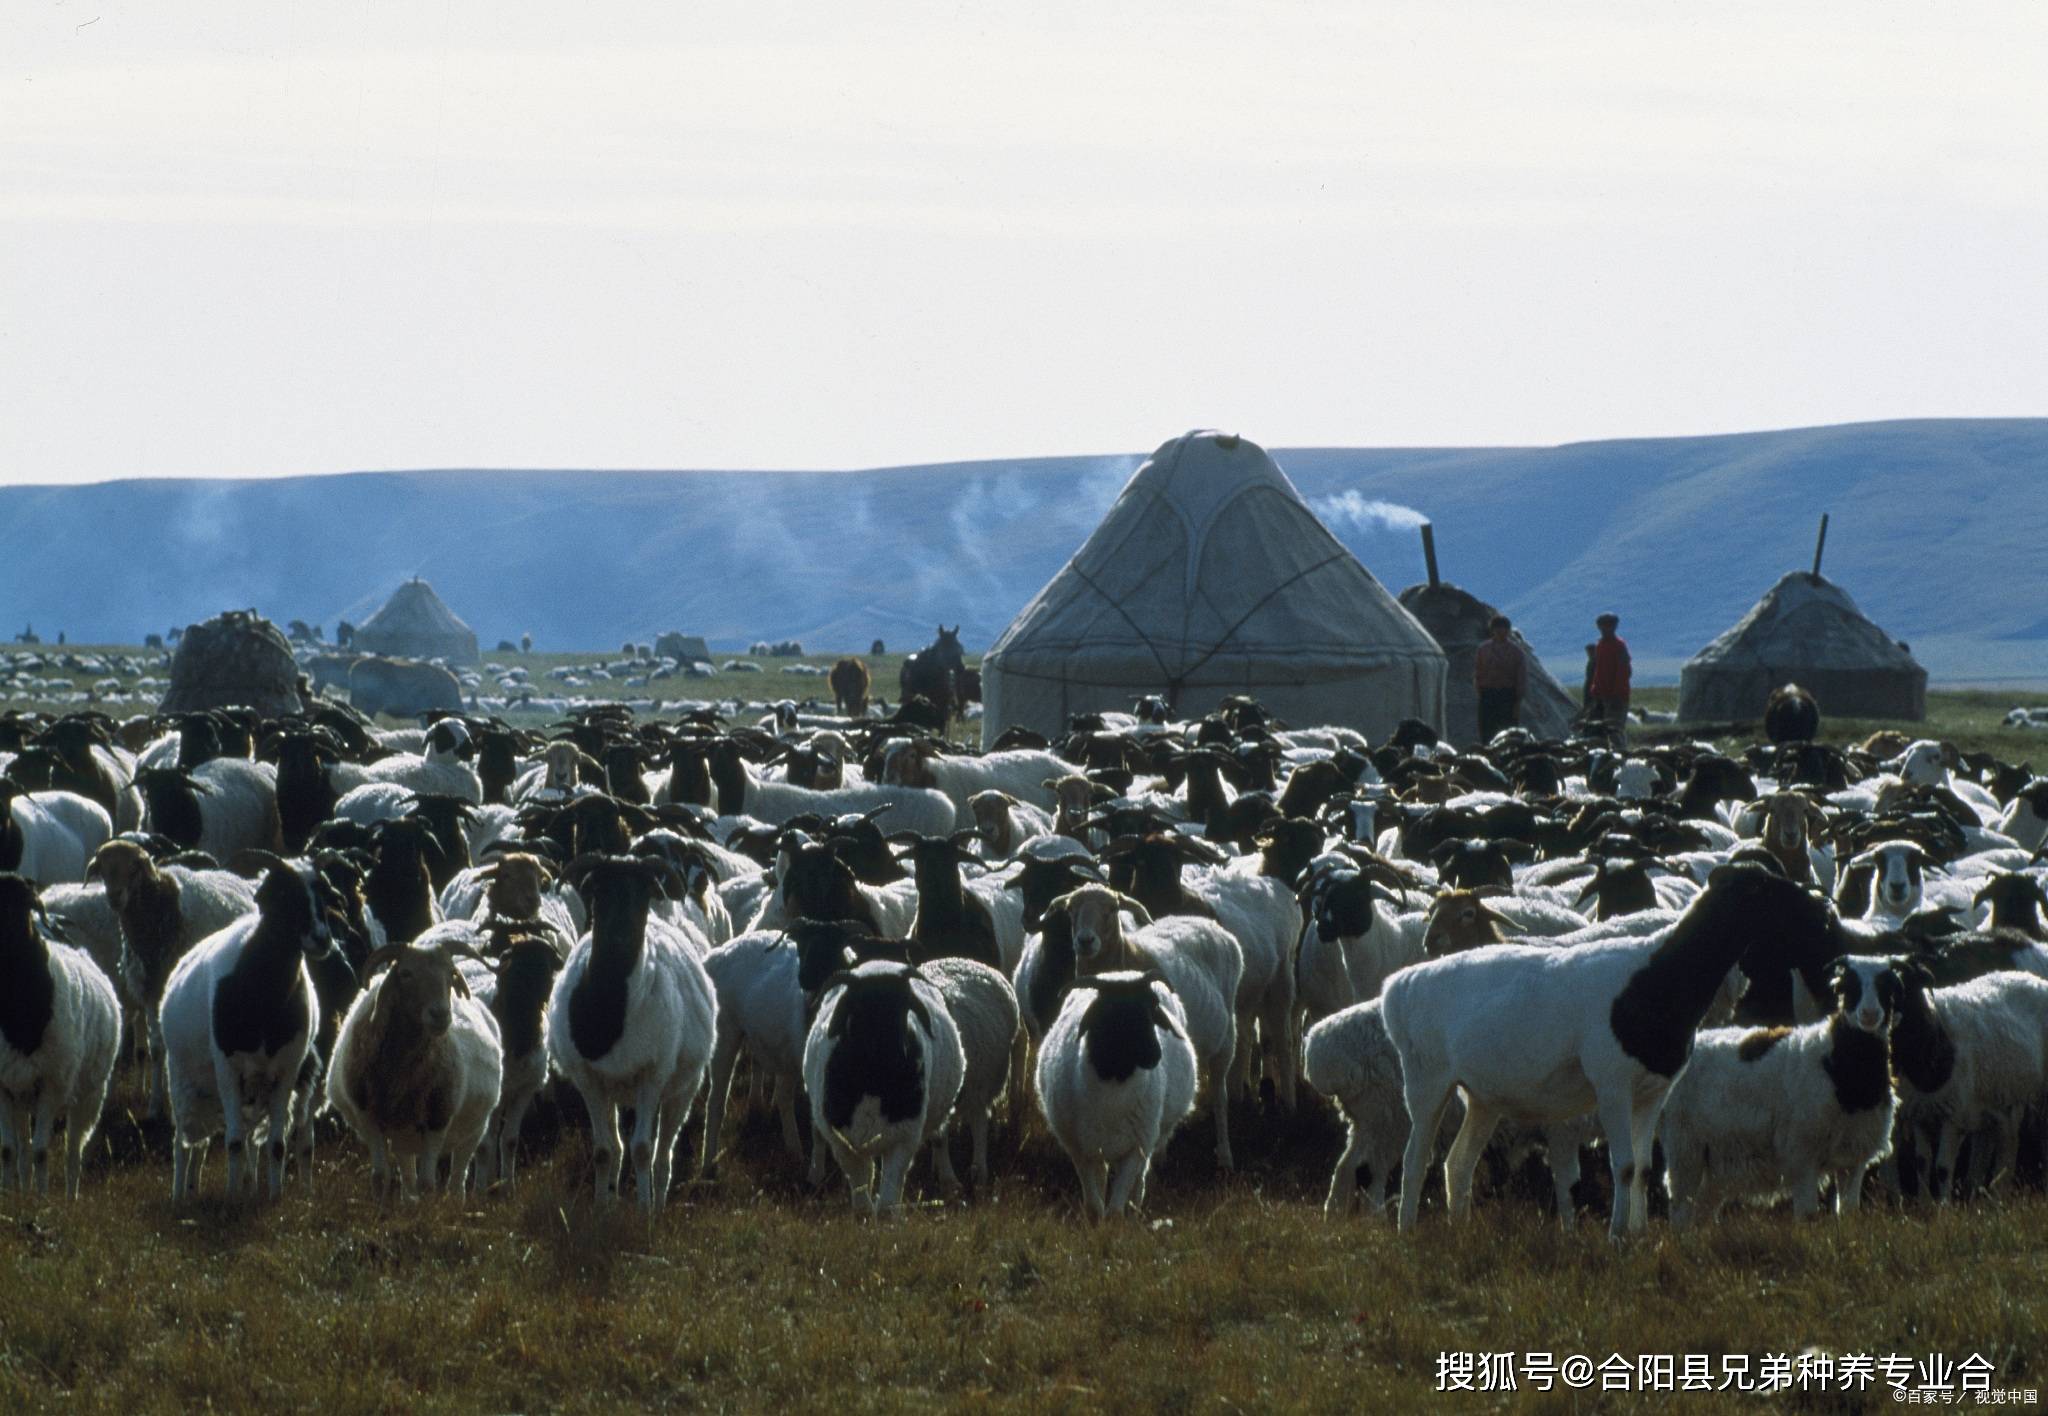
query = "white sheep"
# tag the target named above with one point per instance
(741, 793)
(983, 1007)
(50, 836)
(883, 1066)
(1199, 960)
(418, 1064)
(760, 1010)
(1116, 1077)
(238, 1018)
(1767, 1111)
(631, 1020)
(60, 1029)
(1970, 1055)
(1021, 772)
(1545, 1034)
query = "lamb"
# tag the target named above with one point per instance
(439, 772)
(1925, 763)
(514, 984)
(418, 1064)
(631, 1020)
(1970, 1055)
(1788, 823)
(970, 919)
(1348, 1057)
(1005, 823)
(1545, 1034)
(1762, 1112)
(163, 911)
(1020, 772)
(1199, 960)
(740, 794)
(238, 1016)
(48, 837)
(220, 807)
(60, 1030)
(760, 1009)
(883, 1066)
(1116, 1077)
(983, 1007)
(817, 884)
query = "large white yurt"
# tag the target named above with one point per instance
(1209, 577)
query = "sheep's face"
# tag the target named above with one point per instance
(518, 882)
(1635, 780)
(1344, 909)
(992, 818)
(1898, 866)
(1867, 992)
(1092, 916)
(1923, 764)
(1785, 818)
(1459, 920)
(1364, 819)
(121, 864)
(421, 988)
(561, 761)
(907, 763)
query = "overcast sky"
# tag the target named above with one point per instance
(266, 238)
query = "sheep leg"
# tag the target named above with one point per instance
(1849, 1189)
(785, 1103)
(675, 1114)
(1344, 1182)
(45, 1127)
(10, 1147)
(78, 1126)
(895, 1167)
(821, 1147)
(504, 1145)
(1094, 1181)
(724, 1057)
(1426, 1102)
(383, 1185)
(1942, 1180)
(977, 1130)
(1617, 1123)
(1130, 1172)
(1463, 1159)
(1563, 1154)
(859, 1172)
(1244, 1055)
(942, 1161)
(609, 1156)
(2004, 1153)
(282, 1102)
(1282, 1042)
(234, 1126)
(432, 1146)
(1221, 1089)
(646, 1126)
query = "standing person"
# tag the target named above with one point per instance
(1500, 671)
(1609, 683)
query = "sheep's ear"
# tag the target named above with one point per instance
(924, 1014)
(1164, 1019)
(461, 983)
(1867, 858)
(1125, 902)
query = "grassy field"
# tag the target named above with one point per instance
(1229, 1293)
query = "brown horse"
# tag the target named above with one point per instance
(850, 684)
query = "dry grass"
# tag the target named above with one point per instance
(749, 1293)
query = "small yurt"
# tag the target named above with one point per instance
(1209, 577)
(1458, 621)
(1805, 630)
(415, 624)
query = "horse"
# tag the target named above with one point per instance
(850, 684)
(930, 672)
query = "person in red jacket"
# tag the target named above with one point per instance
(1607, 684)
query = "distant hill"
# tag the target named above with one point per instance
(1939, 530)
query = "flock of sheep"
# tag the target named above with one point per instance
(1775, 972)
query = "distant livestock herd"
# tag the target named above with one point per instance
(1744, 977)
